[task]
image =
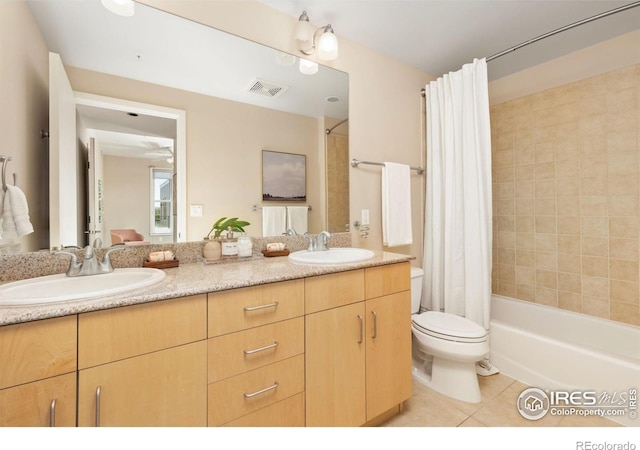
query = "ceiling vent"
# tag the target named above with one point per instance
(266, 88)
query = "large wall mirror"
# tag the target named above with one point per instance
(238, 97)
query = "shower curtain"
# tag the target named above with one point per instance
(458, 213)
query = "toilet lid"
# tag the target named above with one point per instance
(449, 325)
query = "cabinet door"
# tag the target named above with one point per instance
(388, 352)
(44, 403)
(164, 388)
(335, 365)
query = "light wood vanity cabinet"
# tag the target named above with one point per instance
(143, 365)
(38, 373)
(256, 356)
(358, 345)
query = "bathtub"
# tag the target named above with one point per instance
(555, 349)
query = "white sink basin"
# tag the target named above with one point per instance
(60, 288)
(333, 256)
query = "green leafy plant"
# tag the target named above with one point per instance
(223, 223)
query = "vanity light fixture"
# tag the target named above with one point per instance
(120, 7)
(326, 45)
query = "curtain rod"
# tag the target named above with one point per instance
(556, 31)
(565, 28)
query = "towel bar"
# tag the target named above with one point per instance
(355, 163)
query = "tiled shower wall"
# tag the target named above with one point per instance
(566, 199)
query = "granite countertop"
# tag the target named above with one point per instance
(192, 279)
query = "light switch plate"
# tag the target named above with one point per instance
(196, 210)
(365, 217)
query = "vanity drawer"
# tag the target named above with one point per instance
(243, 394)
(119, 333)
(287, 413)
(235, 353)
(333, 290)
(239, 309)
(35, 350)
(385, 280)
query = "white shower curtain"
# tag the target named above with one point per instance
(458, 214)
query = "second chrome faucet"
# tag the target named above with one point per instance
(321, 242)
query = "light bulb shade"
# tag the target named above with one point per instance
(121, 7)
(328, 45)
(308, 67)
(304, 34)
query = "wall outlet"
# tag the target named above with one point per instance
(365, 217)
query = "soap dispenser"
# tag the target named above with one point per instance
(229, 244)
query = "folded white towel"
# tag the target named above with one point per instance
(8, 224)
(396, 205)
(274, 220)
(297, 218)
(18, 211)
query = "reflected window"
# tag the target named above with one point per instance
(161, 201)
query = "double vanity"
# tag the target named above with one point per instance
(263, 342)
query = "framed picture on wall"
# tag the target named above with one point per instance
(284, 177)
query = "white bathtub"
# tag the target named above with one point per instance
(556, 349)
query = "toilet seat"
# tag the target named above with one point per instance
(449, 327)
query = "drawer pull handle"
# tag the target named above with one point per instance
(52, 413)
(262, 391)
(375, 325)
(98, 406)
(361, 329)
(255, 308)
(261, 349)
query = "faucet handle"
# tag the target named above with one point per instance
(74, 257)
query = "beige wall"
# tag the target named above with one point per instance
(24, 96)
(225, 140)
(385, 106)
(567, 196)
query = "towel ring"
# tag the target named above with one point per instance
(5, 162)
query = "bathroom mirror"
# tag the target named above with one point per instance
(157, 58)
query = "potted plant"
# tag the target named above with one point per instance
(212, 249)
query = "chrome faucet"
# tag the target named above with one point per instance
(90, 264)
(290, 232)
(322, 241)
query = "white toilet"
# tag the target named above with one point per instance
(445, 348)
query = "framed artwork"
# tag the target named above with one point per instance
(284, 177)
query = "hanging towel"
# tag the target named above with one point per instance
(8, 224)
(18, 211)
(396, 205)
(274, 220)
(2, 195)
(297, 218)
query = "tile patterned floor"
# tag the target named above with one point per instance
(427, 408)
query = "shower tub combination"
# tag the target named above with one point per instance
(555, 349)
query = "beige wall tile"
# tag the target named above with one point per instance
(593, 205)
(623, 163)
(595, 266)
(570, 301)
(504, 174)
(545, 207)
(506, 207)
(525, 241)
(546, 260)
(570, 263)
(525, 275)
(525, 258)
(567, 168)
(524, 189)
(595, 287)
(545, 170)
(593, 185)
(595, 246)
(594, 167)
(623, 270)
(525, 207)
(546, 242)
(545, 224)
(568, 224)
(502, 158)
(594, 226)
(570, 282)
(624, 312)
(621, 142)
(548, 297)
(524, 153)
(525, 223)
(506, 289)
(505, 190)
(526, 292)
(545, 188)
(506, 273)
(544, 152)
(623, 205)
(547, 279)
(568, 206)
(593, 306)
(506, 223)
(624, 292)
(570, 244)
(568, 187)
(623, 249)
(623, 227)
(506, 256)
(506, 239)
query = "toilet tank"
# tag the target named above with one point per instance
(416, 289)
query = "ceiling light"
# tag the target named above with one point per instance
(308, 67)
(327, 43)
(120, 7)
